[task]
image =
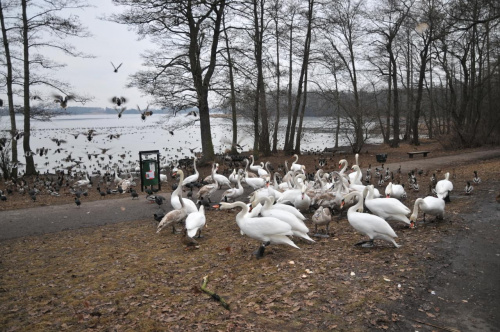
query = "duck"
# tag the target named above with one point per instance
(194, 177)
(268, 230)
(395, 191)
(468, 188)
(368, 224)
(322, 216)
(387, 208)
(189, 242)
(190, 206)
(443, 188)
(299, 228)
(195, 222)
(429, 205)
(477, 179)
(173, 217)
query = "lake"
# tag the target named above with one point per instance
(172, 136)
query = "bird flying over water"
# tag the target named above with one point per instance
(118, 100)
(145, 113)
(63, 101)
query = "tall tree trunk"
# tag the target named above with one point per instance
(278, 88)
(389, 105)
(10, 100)
(301, 118)
(420, 89)
(395, 141)
(290, 76)
(305, 63)
(30, 164)
(264, 147)
(233, 93)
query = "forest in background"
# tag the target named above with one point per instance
(411, 67)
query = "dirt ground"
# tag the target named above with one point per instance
(124, 276)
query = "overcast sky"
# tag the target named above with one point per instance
(111, 42)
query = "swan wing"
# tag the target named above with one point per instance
(369, 224)
(388, 205)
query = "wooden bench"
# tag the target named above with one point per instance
(418, 152)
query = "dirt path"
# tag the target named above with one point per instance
(461, 289)
(55, 218)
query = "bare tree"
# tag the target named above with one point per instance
(9, 79)
(344, 18)
(181, 71)
(289, 146)
(43, 19)
(428, 30)
(388, 19)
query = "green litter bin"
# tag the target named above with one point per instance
(150, 169)
(149, 173)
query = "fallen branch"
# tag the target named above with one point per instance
(212, 294)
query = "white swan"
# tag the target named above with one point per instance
(356, 176)
(253, 167)
(429, 205)
(368, 224)
(387, 208)
(395, 191)
(297, 167)
(284, 207)
(265, 229)
(298, 227)
(303, 201)
(84, 182)
(221, 179)
(262, 172)
(189, 205)
(195, 222)
(255, 183)
(193, 177)
(233, 193)
(443, 188)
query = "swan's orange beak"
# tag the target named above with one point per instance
(387, 196)
(412, 224)
(340, 166)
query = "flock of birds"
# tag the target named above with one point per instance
(274, 212)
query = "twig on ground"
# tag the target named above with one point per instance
(213, 294)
